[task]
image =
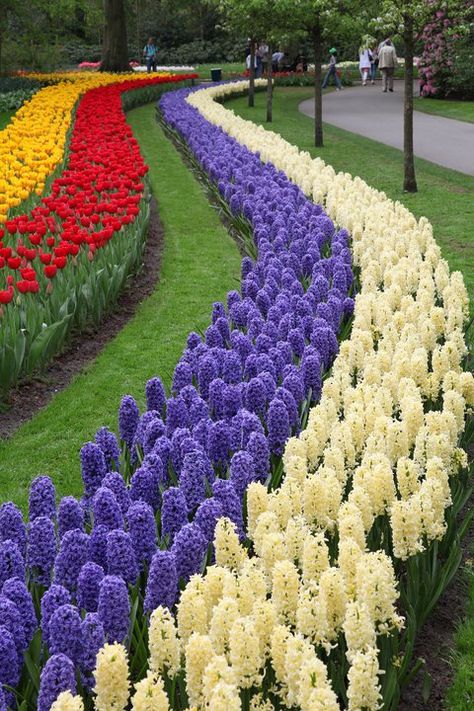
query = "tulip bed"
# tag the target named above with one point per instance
(65, 261)
(196, 569)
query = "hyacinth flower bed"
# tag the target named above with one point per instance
(64, 263)
(319, 605)
(95, 569)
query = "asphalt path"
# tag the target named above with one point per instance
(368, 111)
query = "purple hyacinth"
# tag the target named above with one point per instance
(88, 585)
(70, 515)
(114, 608)
(42, 499)
(145, 486)
(93, 639)
(183, 376)
(41, 551)
(311, 367)
(216, 398)
(11, 618)
(73, 553)
(12, 525)
(98, 545)
(257, 447)
(242, 471)
(53, 598)
(5, 697)
(121, 559)
(189, 549)
(155, 395)
(193, 480)
(198, 410)
(142, 530)
(218, 443)
(232, 368)
(128, 417)
(207, 373)
(154, 430)
(294, 383)
(106, 510)
(255, 397)
(65, 632)
(225, 493)
(12, 564)
(207, 515)
(278, 423)
(146, 419)
(9, 666)
(58, 675)
(16, 591)
(174, 512)
(243, 424)
(290, 403)
(114, 481)
(177, 416)
(108, 443)
(154, 461)
(93, 468)
(162, 583)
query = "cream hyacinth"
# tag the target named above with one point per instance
(67, 702)
(150, 695)
(111, 678)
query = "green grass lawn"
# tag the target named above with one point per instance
(445, 197)
(200, 263)
(5, 117)
(460, 110)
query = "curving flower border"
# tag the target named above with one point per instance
(375, 479)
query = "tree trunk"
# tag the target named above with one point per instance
(114, 48)
(318, 93)
(269, 86)
(252, 74)
(409, 179)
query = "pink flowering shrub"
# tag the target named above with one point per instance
(445, 67)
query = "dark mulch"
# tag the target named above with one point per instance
(27, 398)
(435, 641)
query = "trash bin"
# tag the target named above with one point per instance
(216, 74)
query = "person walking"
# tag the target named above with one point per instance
(264, 54)
(387, 63)
(332, 70)
(374, 62)
(364, 64)
(149, 53)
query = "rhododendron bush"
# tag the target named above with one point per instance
(65, 260)
(445, 66)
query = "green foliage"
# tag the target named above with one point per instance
(202, 51)
(14, 99)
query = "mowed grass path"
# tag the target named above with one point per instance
(445, 197)
(200, 263)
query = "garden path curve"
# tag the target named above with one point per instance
(366, 110)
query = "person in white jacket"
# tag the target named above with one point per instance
(387, 63)
(364, 64)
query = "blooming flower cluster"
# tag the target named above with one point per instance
(96, 194)
(33, 143)
(367, 481)
(238, 393)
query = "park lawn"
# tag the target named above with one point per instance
(445, 197)
(460, 110)
(200, 263)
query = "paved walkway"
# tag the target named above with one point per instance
(366, 110)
